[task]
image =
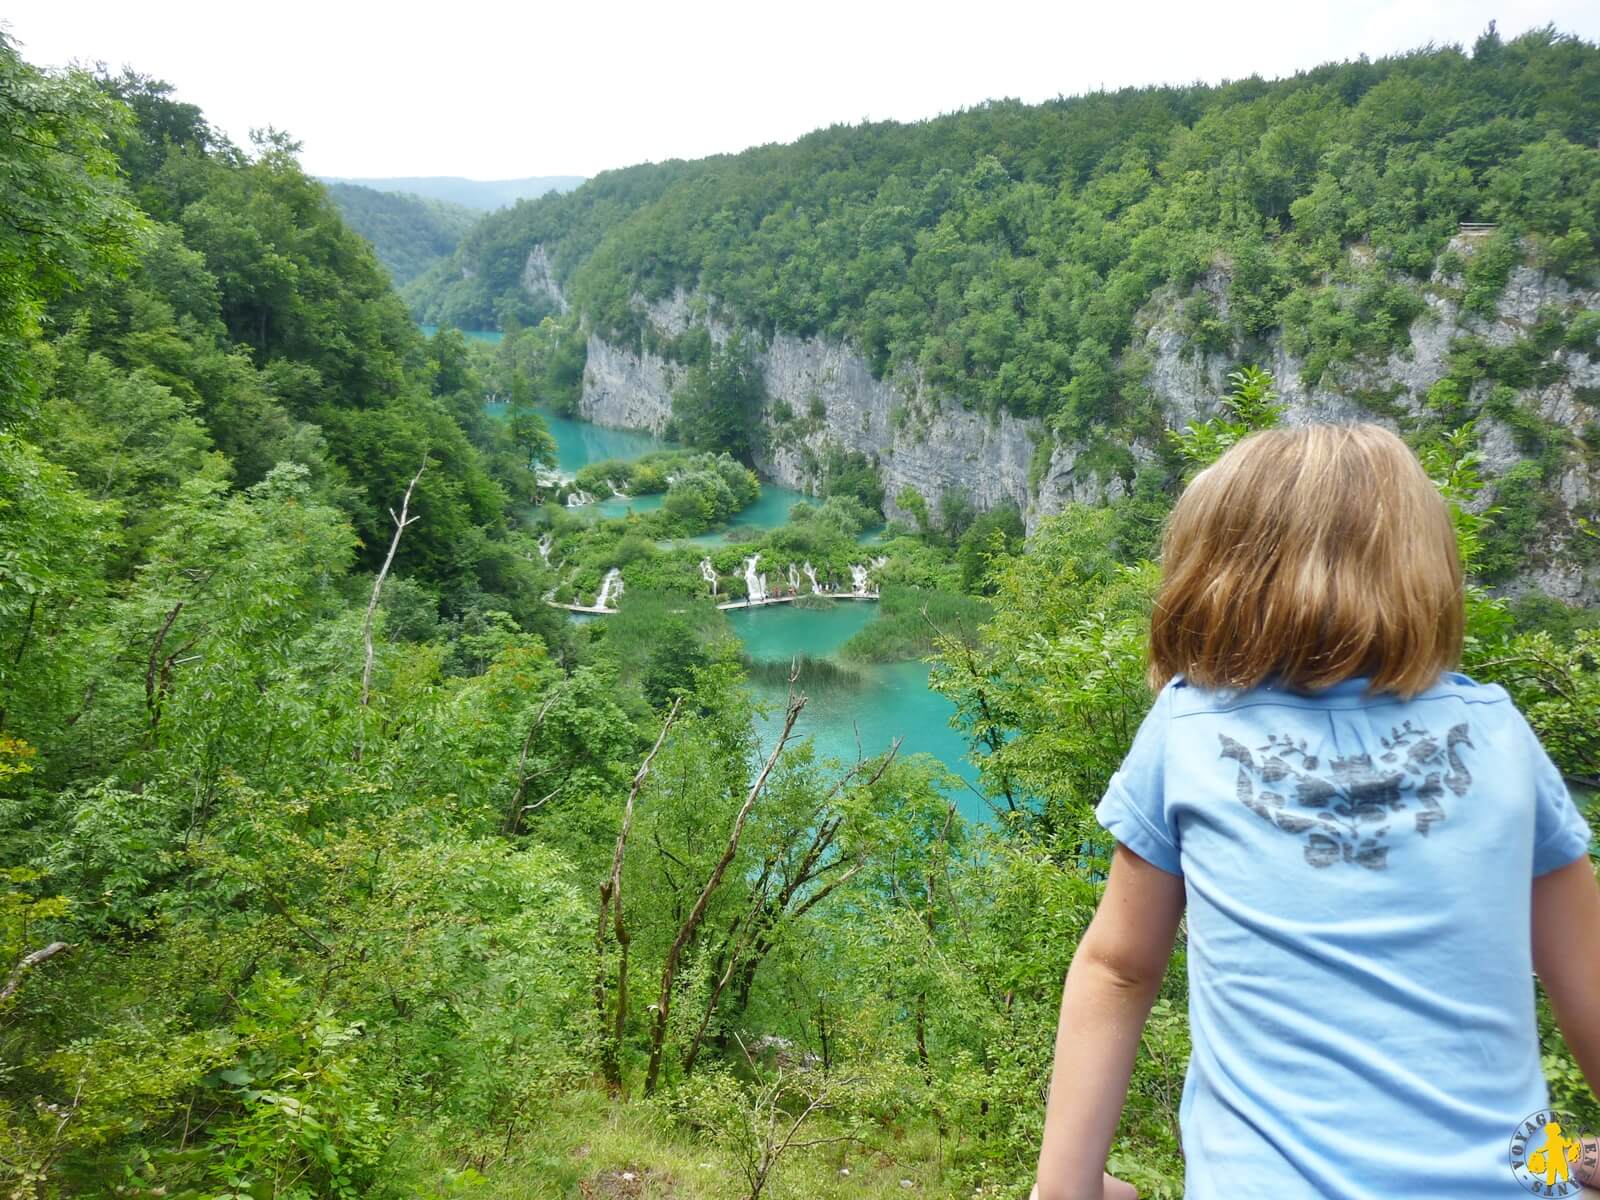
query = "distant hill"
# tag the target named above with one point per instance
(485, 195)
(410, 233)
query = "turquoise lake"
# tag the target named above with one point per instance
(579, 443)
(888, 700)
(880, 702)
(491, 336)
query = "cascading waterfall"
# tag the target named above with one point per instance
(610, 588)
(755, 585)
(794, 580)
(858, 579)
(811, 574)
(579, 498)
(709, 574)
(546, 541)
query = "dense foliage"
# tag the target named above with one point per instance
(1018, 257)
(1004, 251)
(408, 233)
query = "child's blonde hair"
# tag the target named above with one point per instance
(1307, 556)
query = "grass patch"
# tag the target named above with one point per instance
(586, 1145)
(910, 619)
(817, 673)
(736, 534)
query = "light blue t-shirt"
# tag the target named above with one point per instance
(1359, 873)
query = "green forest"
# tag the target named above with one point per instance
(1004, 251)
(1008, 256)
(336, 862)
(408, 233)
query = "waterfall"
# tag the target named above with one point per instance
(755, 584)
(858, 579)
(579, 498)
(546, 540)
(610, 587)
(811, 574)
(709, 574)
(794, 580)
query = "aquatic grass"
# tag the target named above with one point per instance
(909, 621)
(816, 673)
(811, 602)
(743, 533)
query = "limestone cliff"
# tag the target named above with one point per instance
(823, 395)
(1567, 397)
(539, 280)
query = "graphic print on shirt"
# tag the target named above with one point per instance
(1348, 807)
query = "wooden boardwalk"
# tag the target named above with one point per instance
(600, 610)
(798, 596)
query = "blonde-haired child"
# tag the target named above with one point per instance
(1375, 855)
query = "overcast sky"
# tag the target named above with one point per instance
(499, 90)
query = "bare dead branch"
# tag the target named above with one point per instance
(152, 697)
(28, 963)
(400, 523)
(716, 992)
(514, 814)
(692, 922)
(611, 905)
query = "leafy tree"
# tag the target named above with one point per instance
(65, 220)
(908, 499)
(714, 406)
(995, 534)
(1250, 405)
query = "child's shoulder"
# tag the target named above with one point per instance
(1464, 687)
(1180, 698)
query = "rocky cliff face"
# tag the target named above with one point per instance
(625, 390)
(823, 396)
(1187, 385)
(539, 280)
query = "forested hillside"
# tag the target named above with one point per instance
(1091, 263)
(336, 862)
(409, 233)
(1005, 250)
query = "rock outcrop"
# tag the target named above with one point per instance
(1187, 383)
(824, 397)
(539, 280)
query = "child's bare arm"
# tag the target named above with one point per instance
(1110, 987)
(1566, 954)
